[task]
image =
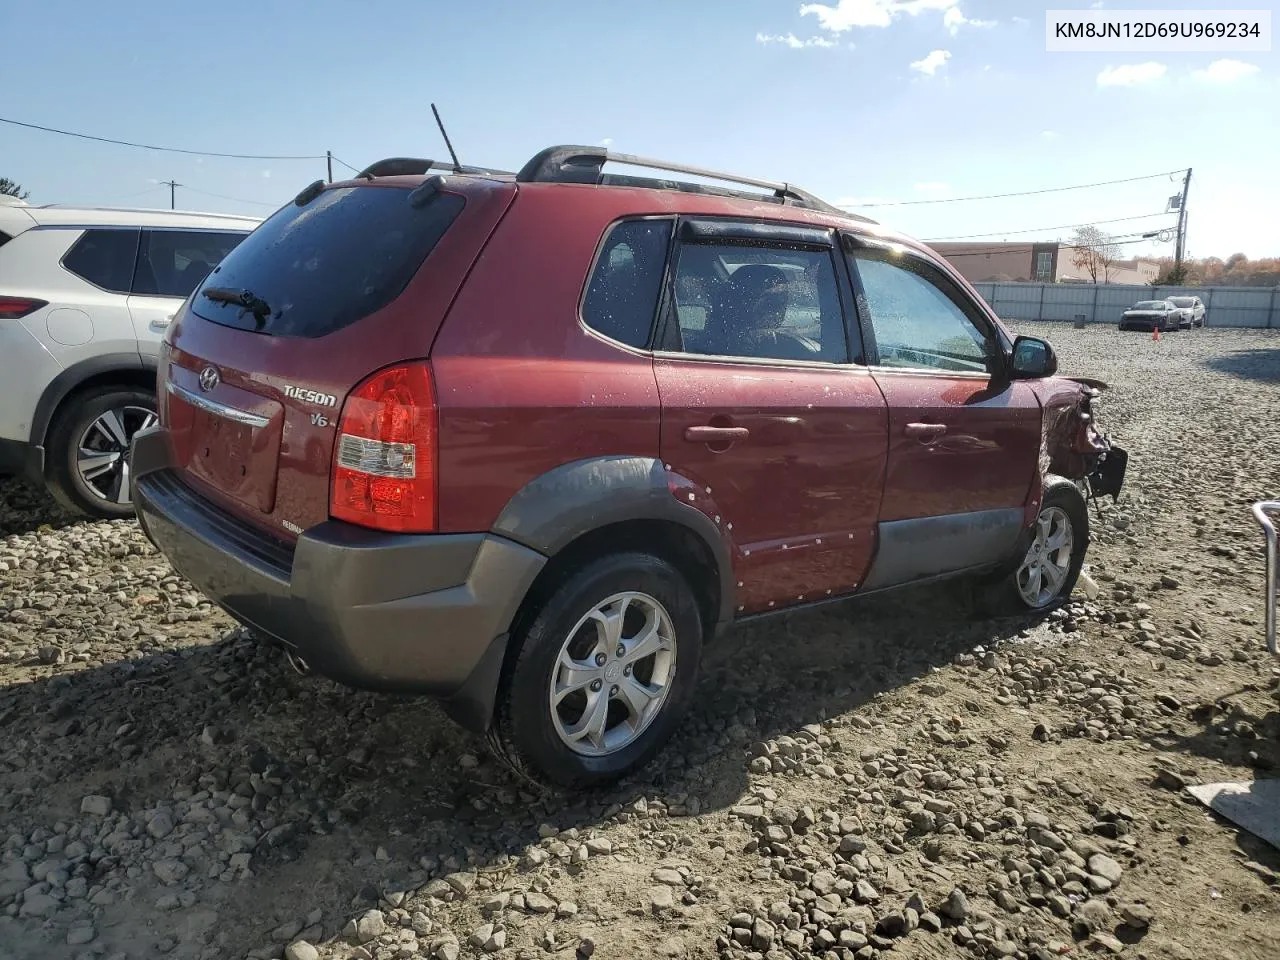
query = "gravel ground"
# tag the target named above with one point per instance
(887, 776)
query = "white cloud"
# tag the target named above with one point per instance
(607, 142)
(1097, 5)
(933, 187)
(792, 41)
(847, 14)
(266, 174)
(953, 20)
(1225, 71)
(931, 64)
(1131, 74)
(1049, 135)
(1021, 21)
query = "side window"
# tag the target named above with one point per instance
(172, 263)
(104, 258)
(767, 302)
(915, 323)
(622, 297)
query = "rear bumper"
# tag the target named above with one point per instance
(406, 613)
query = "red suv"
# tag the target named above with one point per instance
(525, 442)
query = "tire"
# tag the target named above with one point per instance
(1064, 504)
(98, 420)
(534, 737)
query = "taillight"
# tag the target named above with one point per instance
(12, 308)
(384, 463)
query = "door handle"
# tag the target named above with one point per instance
(925, 431)
(161, 323)
(710, 434)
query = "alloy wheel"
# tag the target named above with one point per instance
(1047, 564)
(613, 675)
(102, 454)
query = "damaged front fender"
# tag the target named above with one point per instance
(1071, 445)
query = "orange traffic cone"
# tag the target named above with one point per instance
(1155, 333)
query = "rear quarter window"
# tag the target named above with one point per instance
(321, 267)
(104, 257)
(622, 295)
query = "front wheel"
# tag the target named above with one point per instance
(1049, 569)
(602, 673)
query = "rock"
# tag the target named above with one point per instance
(160, 825)
(481, 935)
(170, 871)
(864, 892)
(95, 805)
(1169, 780)
(599, 846)
(80, 935)
(661, 898)
(762, 934)
(850, 845)
(301, 950)
(1137, 915)
(1107, 942)
(536, 902)
(893, 925)
(587, 947)
(1103, 866)
(372, 924)
(462, 883)
(930, 922)
(668, 876)
(1090, 916)
(956, 907)
(445, 947)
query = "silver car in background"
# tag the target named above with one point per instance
(1192, 308)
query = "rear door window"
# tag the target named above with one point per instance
(104, 257)
(315, 269)
(172, 263)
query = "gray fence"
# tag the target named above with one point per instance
(1103, 303)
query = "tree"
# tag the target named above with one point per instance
(1094, 252)
(11, 189)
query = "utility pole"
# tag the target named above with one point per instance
(1182, 227)
(328, 159)
(171, 184)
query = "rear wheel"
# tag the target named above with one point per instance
(1048, 571)
(88, 449)
(602, 673)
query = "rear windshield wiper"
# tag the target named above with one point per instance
(242, 298)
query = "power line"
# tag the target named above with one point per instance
(1061, 226)
(148, 146)
(223, 196)
(1020, 193)
(345, 164)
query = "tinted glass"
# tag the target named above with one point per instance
(1182, 301)
(321, 267)
(622, 297)
(1149, 305)
(171, 263)
(764, 302)
(916, 324)
(104, 258)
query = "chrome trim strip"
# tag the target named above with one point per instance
(217, 409)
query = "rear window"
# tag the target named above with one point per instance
(1181, 301)
(312, 270)
(622, 297)
(104, 258)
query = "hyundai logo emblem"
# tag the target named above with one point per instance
(209, 378)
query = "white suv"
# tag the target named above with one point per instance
(85, 296)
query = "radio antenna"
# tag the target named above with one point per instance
(457, 167)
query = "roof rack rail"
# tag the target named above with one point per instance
(412, 166)
(577, 164)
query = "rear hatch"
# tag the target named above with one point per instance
(324, 293)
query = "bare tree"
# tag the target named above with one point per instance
(11, 189)
(1095, 252)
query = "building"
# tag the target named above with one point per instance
(1037, 263)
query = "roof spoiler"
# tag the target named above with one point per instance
(415, 166)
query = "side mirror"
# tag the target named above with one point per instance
(1032, 358)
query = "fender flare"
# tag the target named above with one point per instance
(61, 386)
(558, 507)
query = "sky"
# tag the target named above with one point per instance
(860, 101)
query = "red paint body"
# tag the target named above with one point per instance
(522, 387)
